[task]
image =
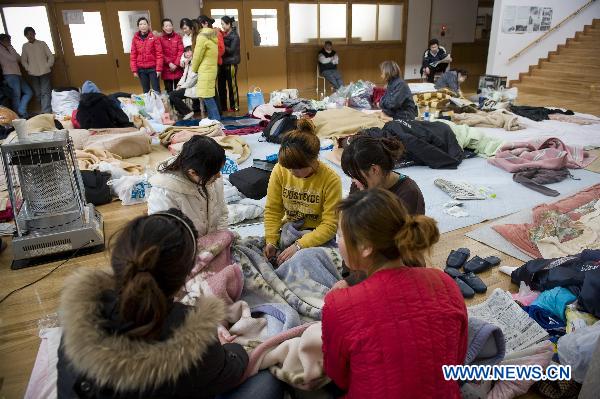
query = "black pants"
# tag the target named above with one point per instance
(440, 68)
(148, 76)
(176, 97)
(170, 84)
(228, 80)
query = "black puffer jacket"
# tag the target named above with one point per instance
(427, 143)
(97, 360)
(232, 48)
(97, 111)
(397, 102)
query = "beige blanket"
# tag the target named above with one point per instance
(90, 158)
(232, 144)
(125, 145)
(342, 122)
(500, 118)
(210, 131)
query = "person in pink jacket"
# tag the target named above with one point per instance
(172, 48)
(146, 56)
(390, 335)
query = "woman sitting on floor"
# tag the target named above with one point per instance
(123, 334)
(390, 335)
(301, 188)
(192, 183)
(452, 80)
(397, 102)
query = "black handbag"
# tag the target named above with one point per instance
(97, 191)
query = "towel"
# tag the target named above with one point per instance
(486, 345)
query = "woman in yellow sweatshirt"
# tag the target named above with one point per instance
(301, 188)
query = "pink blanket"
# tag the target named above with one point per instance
(519, 234)
(547, 153)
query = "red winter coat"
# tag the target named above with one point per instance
(145, 53)
(389, 336)
(172, 48)
(220, 46)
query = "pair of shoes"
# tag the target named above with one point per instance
(469, 283)
(188, 116)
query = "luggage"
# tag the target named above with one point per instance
(97, 191)
(253, 181)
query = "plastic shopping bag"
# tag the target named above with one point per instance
(575, 349)
(255, 98)
(131, 189)
(154, 105)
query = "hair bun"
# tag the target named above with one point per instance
(305, 125)
(393, 147)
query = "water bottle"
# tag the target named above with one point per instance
(426, 114)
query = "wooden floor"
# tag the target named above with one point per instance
(22, 313)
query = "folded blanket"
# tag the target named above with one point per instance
(125, 145)
(547, 153)
(235, 146)
(475, 139)
(341, 122)
(41, 123)
(186, 132)
(245, 209)
(486, 345)
(500, 118)
(90, 159)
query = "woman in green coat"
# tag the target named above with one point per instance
(205, 63)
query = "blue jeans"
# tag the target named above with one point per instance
(148, 77)
(212, 109)
(42, 87)
(21, 93)
(260, 386)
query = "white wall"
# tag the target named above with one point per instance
(417, 36)
(177, 9)
(460, 17)
(505, 45)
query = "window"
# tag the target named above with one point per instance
(303, 23)
(218, 13)
(88, 38)
(1, 24)
(17, 18)
(128, 26)
(332, 21)
(390, 22)
(264, 27)
(364, 22)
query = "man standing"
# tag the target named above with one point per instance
(20, 90)
(435, 60)
(38, 60)
(328, 62)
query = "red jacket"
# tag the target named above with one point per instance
(220, 46)
(172, 48)
(389, 336)
(145, 53)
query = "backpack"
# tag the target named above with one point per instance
(280, 123)
(97, 191)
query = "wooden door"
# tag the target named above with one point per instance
(87, 48)
(219, 8)
(265, 42)
(122, 22)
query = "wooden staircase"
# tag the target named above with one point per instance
(569, 77)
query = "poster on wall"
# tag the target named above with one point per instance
(522, 19)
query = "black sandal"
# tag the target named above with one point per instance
(458, 258)
(479, 265)
(473, 281)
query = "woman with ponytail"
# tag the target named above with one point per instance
(124, 336)
(370, 163)
(301, 188)
(389, 336)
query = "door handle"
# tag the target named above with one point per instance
(117, 62)
(248, 55)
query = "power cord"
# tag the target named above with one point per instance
(47, 274)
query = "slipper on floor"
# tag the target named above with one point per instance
(465, 290)
(474, 282)
(458, 258)
(452, 272)
(479, 265)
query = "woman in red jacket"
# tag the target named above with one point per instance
(389, 336)
(146, 58)
(172, 48)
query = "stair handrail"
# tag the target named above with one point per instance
(556, 27)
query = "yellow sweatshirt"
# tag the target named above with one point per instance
(313, 199)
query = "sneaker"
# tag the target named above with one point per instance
(188, 116)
